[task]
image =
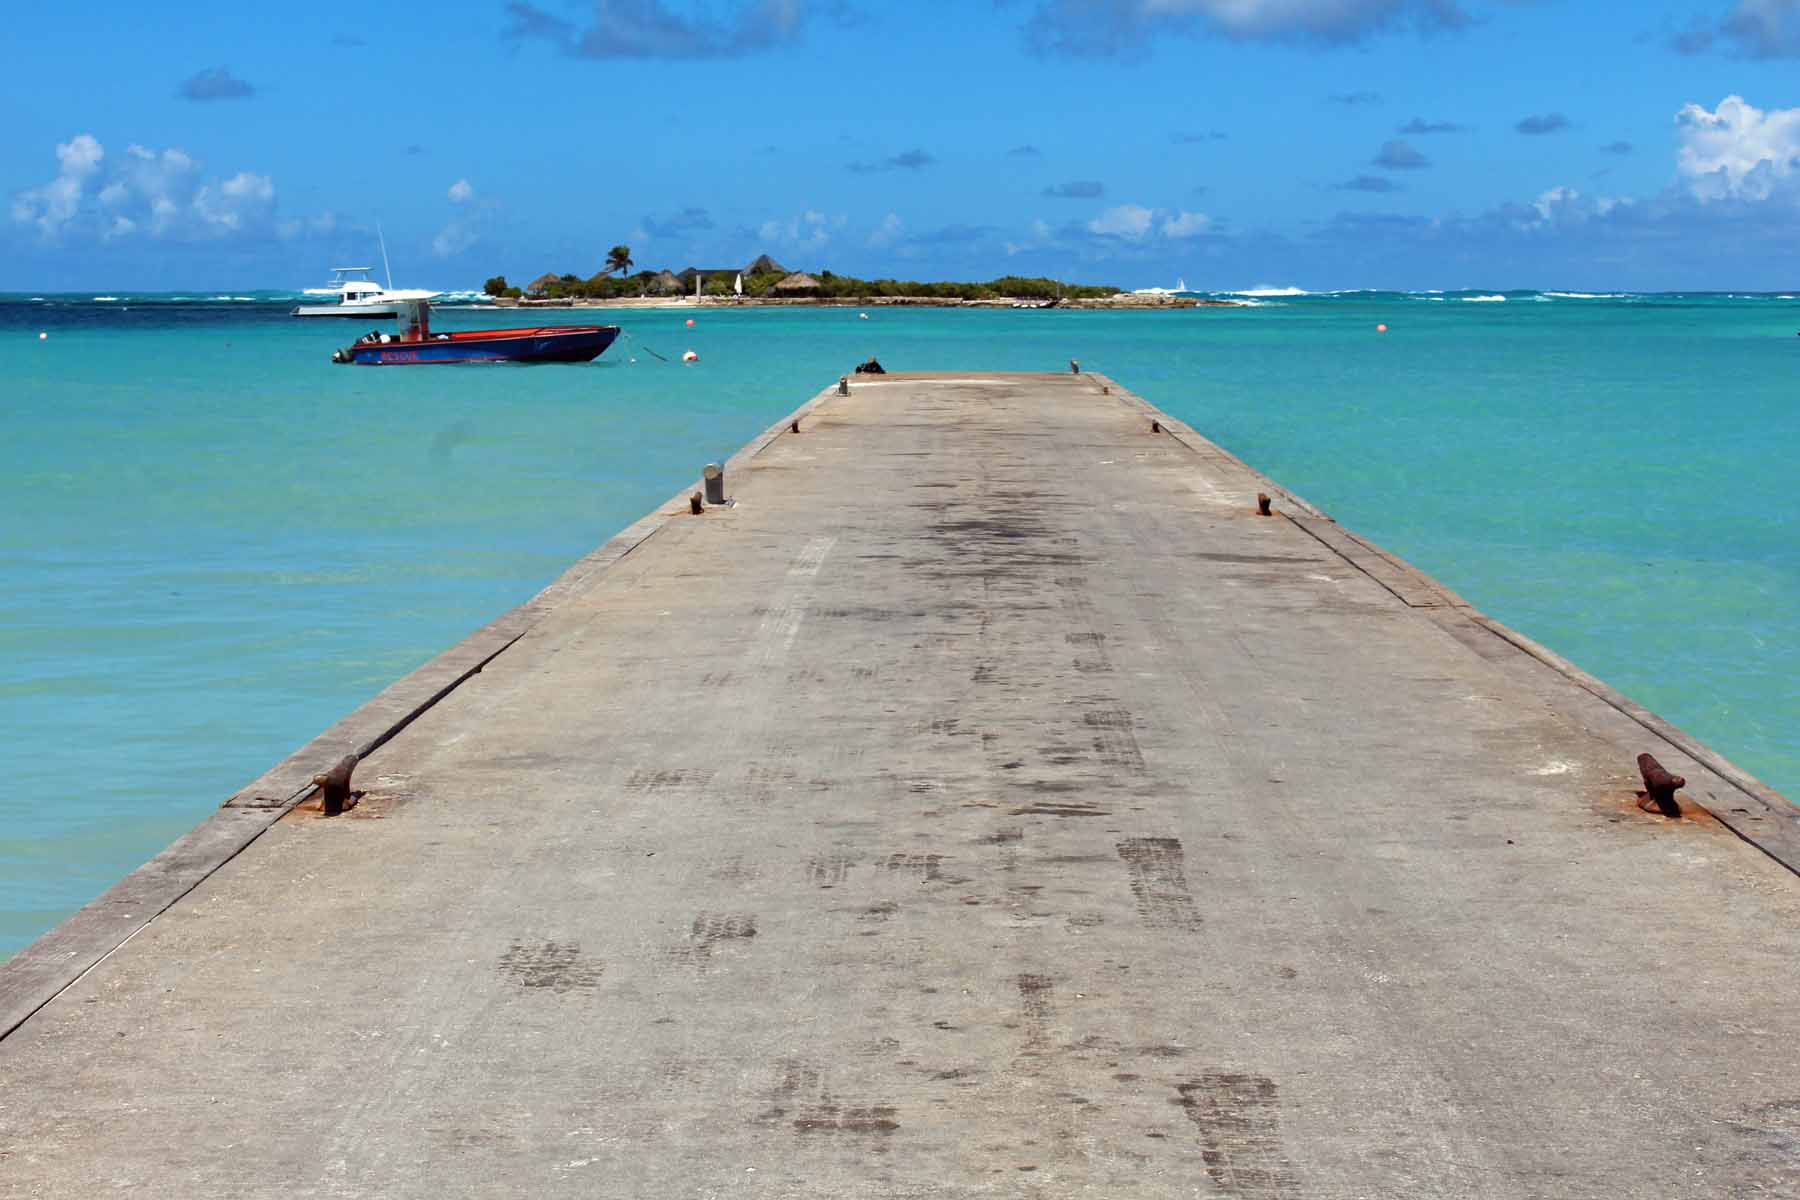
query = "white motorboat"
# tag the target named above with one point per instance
(359, 297)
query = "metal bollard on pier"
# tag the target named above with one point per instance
(714, 476)
(334, 786)
(1659, 787)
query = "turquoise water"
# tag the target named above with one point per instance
(216, 542)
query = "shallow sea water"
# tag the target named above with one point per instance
(216, 542)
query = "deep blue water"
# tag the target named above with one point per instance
(216, 542)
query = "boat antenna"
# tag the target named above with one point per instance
(384, 257)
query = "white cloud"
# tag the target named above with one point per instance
(810, 230)
(1123, 220)
(1278, 18)
(80, 156)
(315, 226)
(55, 204)
(888, 232)
(453, 239)
(464, 231)
(1186, 225)
(1737, 151)
(159, 194)
(1039, 235)
(1103, 27)
(1560, 208)
(234, 205)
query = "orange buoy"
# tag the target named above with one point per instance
(690, 322)
(1381, 329)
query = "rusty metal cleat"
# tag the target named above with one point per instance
(334, 786)
(1659, 788)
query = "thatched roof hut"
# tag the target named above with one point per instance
(764, 265)
(536, 287)
(663, 283)
(797, 284)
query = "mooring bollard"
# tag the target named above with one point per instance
(334, 786)
(714, 475)
(1659, 787)
(794, 427)
(1074, 367)
(1262, 505)
(843, 385)
(694, 504)
(1156, 427)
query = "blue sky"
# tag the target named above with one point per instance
(1236, 143)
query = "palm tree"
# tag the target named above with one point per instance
(618, 260)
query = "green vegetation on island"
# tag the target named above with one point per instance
(765, 278)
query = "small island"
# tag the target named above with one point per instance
(766, 282)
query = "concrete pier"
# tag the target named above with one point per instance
(987, 801)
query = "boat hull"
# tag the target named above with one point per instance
(352, 312)
(570, 344)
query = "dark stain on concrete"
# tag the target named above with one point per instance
(1115, 739)
(1159, 882)
(926, 866)
(1238, 1118)
(828, 870)
(709, 930)
(836, 1118)
(801, 1090)
(1060, 810)
(881, 911)
(1035, 992)
(666, 780)
(551, 966)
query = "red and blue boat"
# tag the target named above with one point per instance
(416, 344)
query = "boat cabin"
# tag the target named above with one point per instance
(350, 285)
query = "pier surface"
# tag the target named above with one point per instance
(989, 803)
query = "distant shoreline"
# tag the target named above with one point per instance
(1124, 302)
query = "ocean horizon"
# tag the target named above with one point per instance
(221, 542)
